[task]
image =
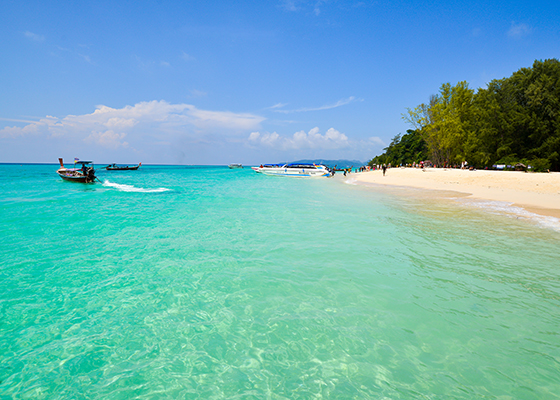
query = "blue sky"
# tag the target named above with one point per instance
(216, 82)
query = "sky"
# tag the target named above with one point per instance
(246, 81)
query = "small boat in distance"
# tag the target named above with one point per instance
(115, 167)
(294, 169)
(235, 165)
(84, 174)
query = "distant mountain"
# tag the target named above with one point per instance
(332, 163)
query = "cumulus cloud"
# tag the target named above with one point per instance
(108, 139)
(332, 139)
(266, 139)
(108, 127)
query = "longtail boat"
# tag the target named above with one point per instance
(115, 167)
(84, 174)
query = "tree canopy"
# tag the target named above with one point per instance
(515, 119)
(403, 150)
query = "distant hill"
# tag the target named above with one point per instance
(332, 163)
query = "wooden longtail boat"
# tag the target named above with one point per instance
(84, 174)
(115, 167)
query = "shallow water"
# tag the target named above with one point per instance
(209, 283)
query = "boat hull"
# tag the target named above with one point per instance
(115, 167)
(122, 168)
(75, 177)
(297, 171)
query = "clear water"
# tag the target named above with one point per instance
(211, 283)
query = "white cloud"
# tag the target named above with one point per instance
(107, 127)
(297, 5)
(317, 8)
(376, 141)
(254, 136)
(332, 139)
(266, 139)
(339, 103)
(277, 105)
(14, 132)
(34, 37)
(108, 139)
(86, 58)
(187, 57)
(27, 121)
(197, 93)
(518, 30)
(120, 123)
(210, 119)
(289, 5)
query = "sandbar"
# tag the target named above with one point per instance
(536, 192)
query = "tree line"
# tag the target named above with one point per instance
(513, 120)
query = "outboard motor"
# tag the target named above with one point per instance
(91, 174)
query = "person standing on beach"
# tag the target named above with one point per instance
(384, 169)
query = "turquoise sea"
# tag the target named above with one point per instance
(182, 282)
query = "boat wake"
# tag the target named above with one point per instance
(132, 188)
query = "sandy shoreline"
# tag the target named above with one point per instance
(535, 192)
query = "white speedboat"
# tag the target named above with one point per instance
(235, 166)
(294, 169)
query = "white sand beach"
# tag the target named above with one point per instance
(536, 192)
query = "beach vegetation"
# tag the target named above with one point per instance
(515, 118)
(405, 149)
(539, 164)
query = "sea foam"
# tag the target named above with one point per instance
(131, 188)
(510, 210)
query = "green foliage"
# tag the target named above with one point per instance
(515, 118)
(534, 165)
(403, 150)
(539, 164)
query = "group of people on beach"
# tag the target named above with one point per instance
(381, 167)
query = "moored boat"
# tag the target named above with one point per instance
(115, 167)
(235, 165)
(294, 169)
(84, 174)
